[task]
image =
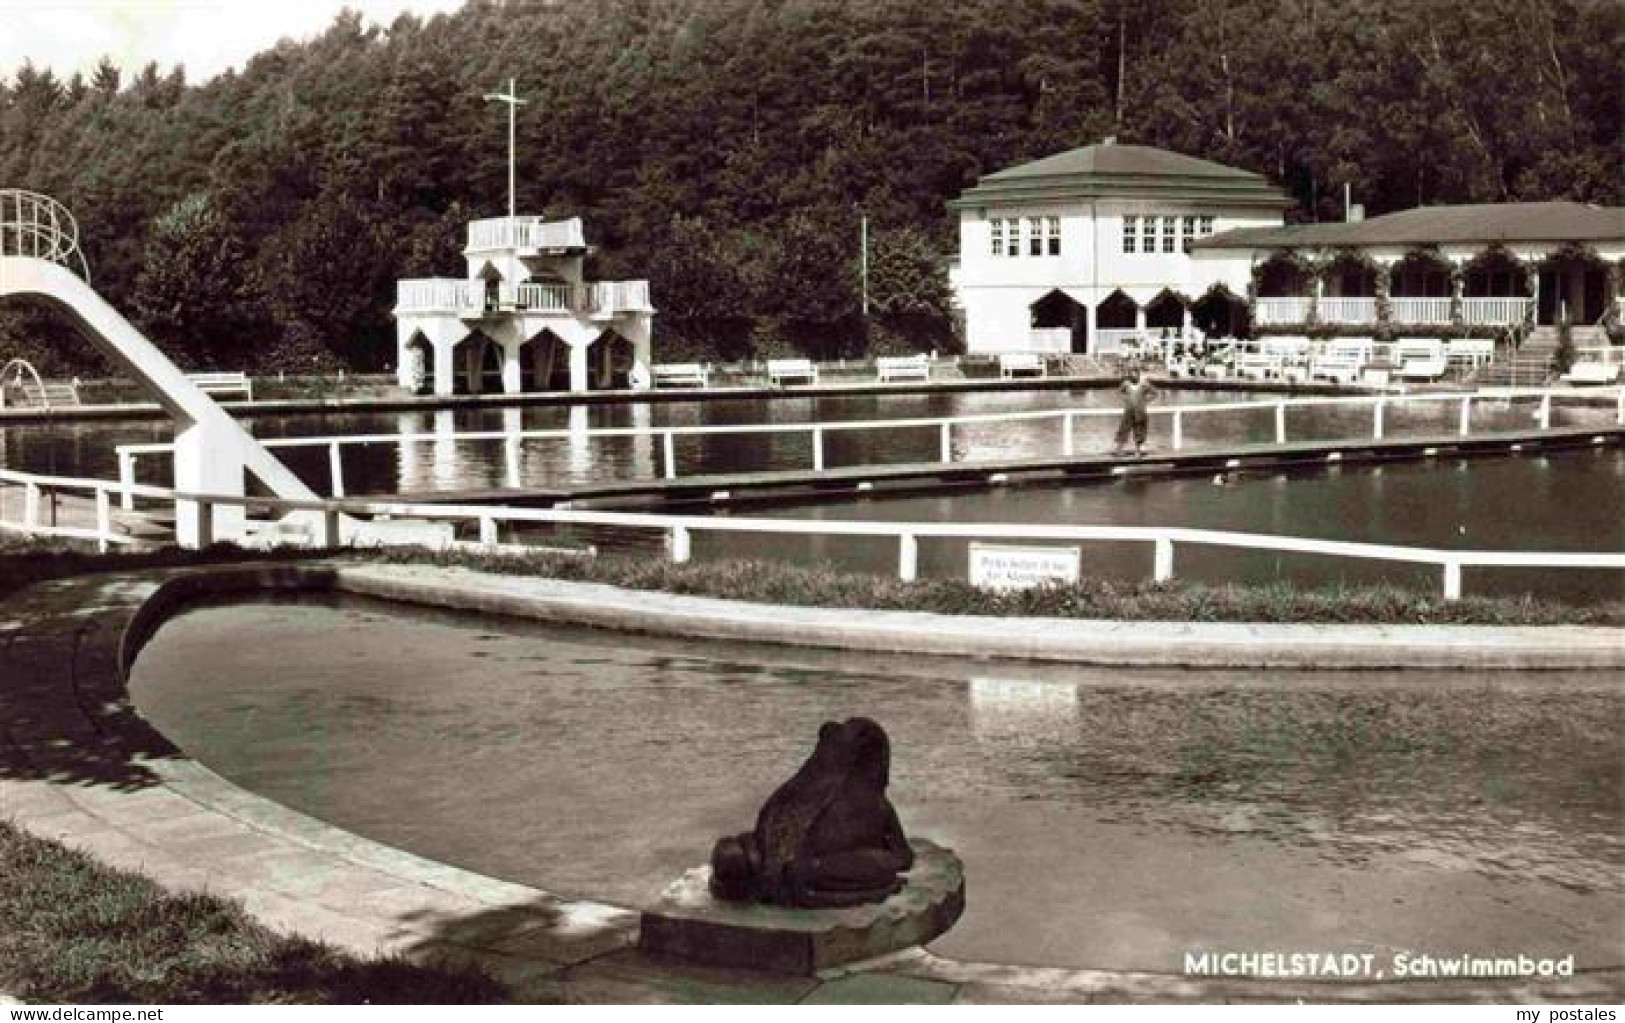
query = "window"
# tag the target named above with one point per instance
(1035, 241)
(997, 227)
(1012, 237)
(1206, 226)
(1170, 231)
(1131, 228)
(1052, 234)
(1190, 232)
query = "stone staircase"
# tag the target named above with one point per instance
(1532, 364)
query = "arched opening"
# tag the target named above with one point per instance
(1283, 276)
(1421, 274)
(1165, 315)
(1573, 287)
(419, 369)
(612, 360)
(1495, 289)
(1117, 312)
(544, 363)
(1060, 311)
(477, 363)
(1350, 275)
(1221, 313)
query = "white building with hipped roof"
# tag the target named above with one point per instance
(1078, 251)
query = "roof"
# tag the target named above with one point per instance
(1442, 225)
(1109, 170)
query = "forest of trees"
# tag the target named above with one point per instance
(726, 149)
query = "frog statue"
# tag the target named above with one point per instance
(828, 837)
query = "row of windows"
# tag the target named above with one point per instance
(1043, 236)
(1141, 234)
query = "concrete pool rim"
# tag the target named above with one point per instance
(1147, 644)
(595, 963)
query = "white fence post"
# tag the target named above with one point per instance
(1162, 564)
(818, 448)
(1067, 447)
(1280, 422)
(908, 557)
(327, 528)
(1376, 419)
(1619, 406)
(1466, 415)
(31, 500)
(104, 519)
(945, 443)
(668, 447)
(1452, 580)
(126, 479)
(1179, 429)
(681, 545)
(335, 467)
(205, 523)
(1545, 412)
(488, 531)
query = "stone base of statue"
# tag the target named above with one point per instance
(690, 922)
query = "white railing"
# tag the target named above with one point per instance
(525, 233)
(1110, 340)
(611, 297)
(944, 426)
(439, 294)
(1418, 310)
(1050, 339)
(542, 297)
(37, 226)
(1494, 311)
(1348, 310)
(679, 530)
(1274, 311)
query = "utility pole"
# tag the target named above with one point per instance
(511, 98)
(863, 261)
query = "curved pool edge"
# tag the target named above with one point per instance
(88, 771)
(1136, 644)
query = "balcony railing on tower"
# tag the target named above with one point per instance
(531, 233)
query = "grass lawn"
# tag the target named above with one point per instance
(23, 562)
(72, 930)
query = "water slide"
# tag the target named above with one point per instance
(38, 248)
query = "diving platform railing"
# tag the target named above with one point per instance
(472, 299)
(1177, 417)
(679, 530)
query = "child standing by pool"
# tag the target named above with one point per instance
(1137, 394)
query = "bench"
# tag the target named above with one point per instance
(1592, 372)
(781, 370)
(1257, 364)
(909, 367)
(669, 374)
(1474, 351)
(1420, 358)
(1341, 361)
(223, 383)
(1013, 363)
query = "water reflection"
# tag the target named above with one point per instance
(1455, 809)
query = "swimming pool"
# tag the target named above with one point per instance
(1110, 819)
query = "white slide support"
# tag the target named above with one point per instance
(212, 449)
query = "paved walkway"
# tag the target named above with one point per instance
(77, 764)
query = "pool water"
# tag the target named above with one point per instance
(1106, 818)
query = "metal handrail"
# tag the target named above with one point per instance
(35, 225)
